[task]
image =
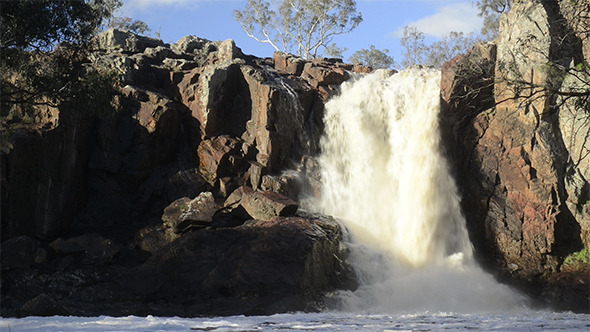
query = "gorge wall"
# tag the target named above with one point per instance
(520, 147)
(172, 200)
(179, 178)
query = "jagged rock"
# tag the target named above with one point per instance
(214, 157)
(288, 63)
(195, 117)
(277, 117)
(318, 74)
(185, 213)
(117, 40)
(289, 184)
(265, 205)
(228, 51)
(158, 53)
(189, 44)
(95, 249)
(218, 99)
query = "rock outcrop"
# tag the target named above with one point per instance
(521, 148)
(99, 201)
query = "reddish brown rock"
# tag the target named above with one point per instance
(214, 157)
(319, 75)
(288, 63)
(265, 205)
(185, 213)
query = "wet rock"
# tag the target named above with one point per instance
(18, 253)
(43, 305)
(289, 184)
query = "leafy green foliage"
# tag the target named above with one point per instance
(41, 24)
(373, 58)
(43, 51)
(129, 24)
(578, 259)
(300, 26)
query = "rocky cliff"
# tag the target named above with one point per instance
(516, 126)
(171, 199)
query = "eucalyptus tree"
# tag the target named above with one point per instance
(42, 51)
(373, 57)
(491, 10)
(303, 27)
(417, 52)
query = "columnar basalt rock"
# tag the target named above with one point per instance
(145, 179)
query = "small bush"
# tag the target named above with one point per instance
(580, 259)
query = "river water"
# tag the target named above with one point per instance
(525, 321)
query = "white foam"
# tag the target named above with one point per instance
(384, 175)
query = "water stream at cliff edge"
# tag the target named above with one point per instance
(384, 175)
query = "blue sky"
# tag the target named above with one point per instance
(382, 26)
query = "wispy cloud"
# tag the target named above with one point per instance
(460, 17)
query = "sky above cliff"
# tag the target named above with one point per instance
(382, 26)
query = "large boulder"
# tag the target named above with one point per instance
(184, 213)
(262, 267)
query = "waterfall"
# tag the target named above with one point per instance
(384, 176)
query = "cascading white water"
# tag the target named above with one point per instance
(383, 174)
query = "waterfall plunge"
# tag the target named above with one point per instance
(383, 174)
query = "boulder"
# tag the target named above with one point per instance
(285, 264)
(265, 205)
(289, 184)
(185, 214)
(18, 253)
(43, 305)
(94, 249)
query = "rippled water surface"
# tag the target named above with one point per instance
(529, 321)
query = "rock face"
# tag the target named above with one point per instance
(262, 267)
(120, 210)
(519, 150)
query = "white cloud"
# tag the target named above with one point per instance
(460, 17)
